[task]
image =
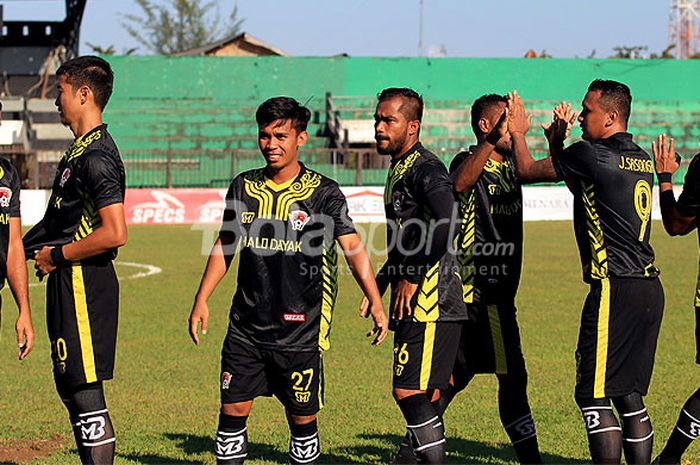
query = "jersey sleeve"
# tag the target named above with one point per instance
(689, 201)
(102, 178)
(229, 223)
(16, 187)
(435, 190)
(336, 206)
(456, 161)
(578, 161)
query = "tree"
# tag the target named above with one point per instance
(179, 25)
(109, 50)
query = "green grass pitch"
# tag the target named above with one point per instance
(164, 400)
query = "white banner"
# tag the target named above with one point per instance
(366, 205)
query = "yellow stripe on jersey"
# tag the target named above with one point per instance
(83, 320)
(465, 245)
(78, 147)
(300, 190)
(601, 352)
(397, 172)
(499, 347)
(426, 365)
(599, 254)
(89, 221)
(329, 294)
(254, 185)
(428, 295)
(697, 287)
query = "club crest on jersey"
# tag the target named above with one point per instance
(5, 197)
(225, 380)
(64, 177)
(298, 218)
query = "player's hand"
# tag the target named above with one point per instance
(664, 150)
(381, 325)
(563, 119)
(500, 130)
(25, 334)
(402, 299)
(364, 307)
(518, 120)
(43, 264)
(199, 314)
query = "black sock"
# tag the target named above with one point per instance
(92, 425)
(686, 430)
(604, 431)
(516, 417)
(231, 440)
(426, 429)
(637, 432)
(304, 446)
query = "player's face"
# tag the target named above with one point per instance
(391, 128)
(593, 118)
(279, 143)
(68, 101)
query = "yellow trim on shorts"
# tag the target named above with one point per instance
(83, 320)
(601, 352)
(499, 347)
(426, 365)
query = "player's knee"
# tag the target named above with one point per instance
(237, 409)
(299, 419)
(400, 394)
(598, 416)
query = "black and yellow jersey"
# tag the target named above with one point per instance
(90, 176)
(689, 203)
(490, 241)
(611, 180)
(421, 214)
(287, 276)
(9, 208)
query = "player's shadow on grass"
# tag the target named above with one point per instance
(459, 450)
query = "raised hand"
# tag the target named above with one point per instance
(665, 158)
(518, 120)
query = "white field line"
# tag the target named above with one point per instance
(145, 270)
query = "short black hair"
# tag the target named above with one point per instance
(90, 71)
(480, 106)
(614, 96)
(283, 108)
(412, 109)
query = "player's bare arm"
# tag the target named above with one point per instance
(111, 235)
(218, 264)
(17, 277)
(527, 168)
(471, 168)
(666, 164)
(361, 267)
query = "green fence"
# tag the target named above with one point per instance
(189, 121)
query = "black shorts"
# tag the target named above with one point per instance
(425, 354)
(295, 378)
(490, 342)
(617, 340)
(82, 303)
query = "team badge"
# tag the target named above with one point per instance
(64, 177)
(5, 196)
(298, 218)
(225, 380)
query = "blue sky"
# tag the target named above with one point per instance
(462, 28)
